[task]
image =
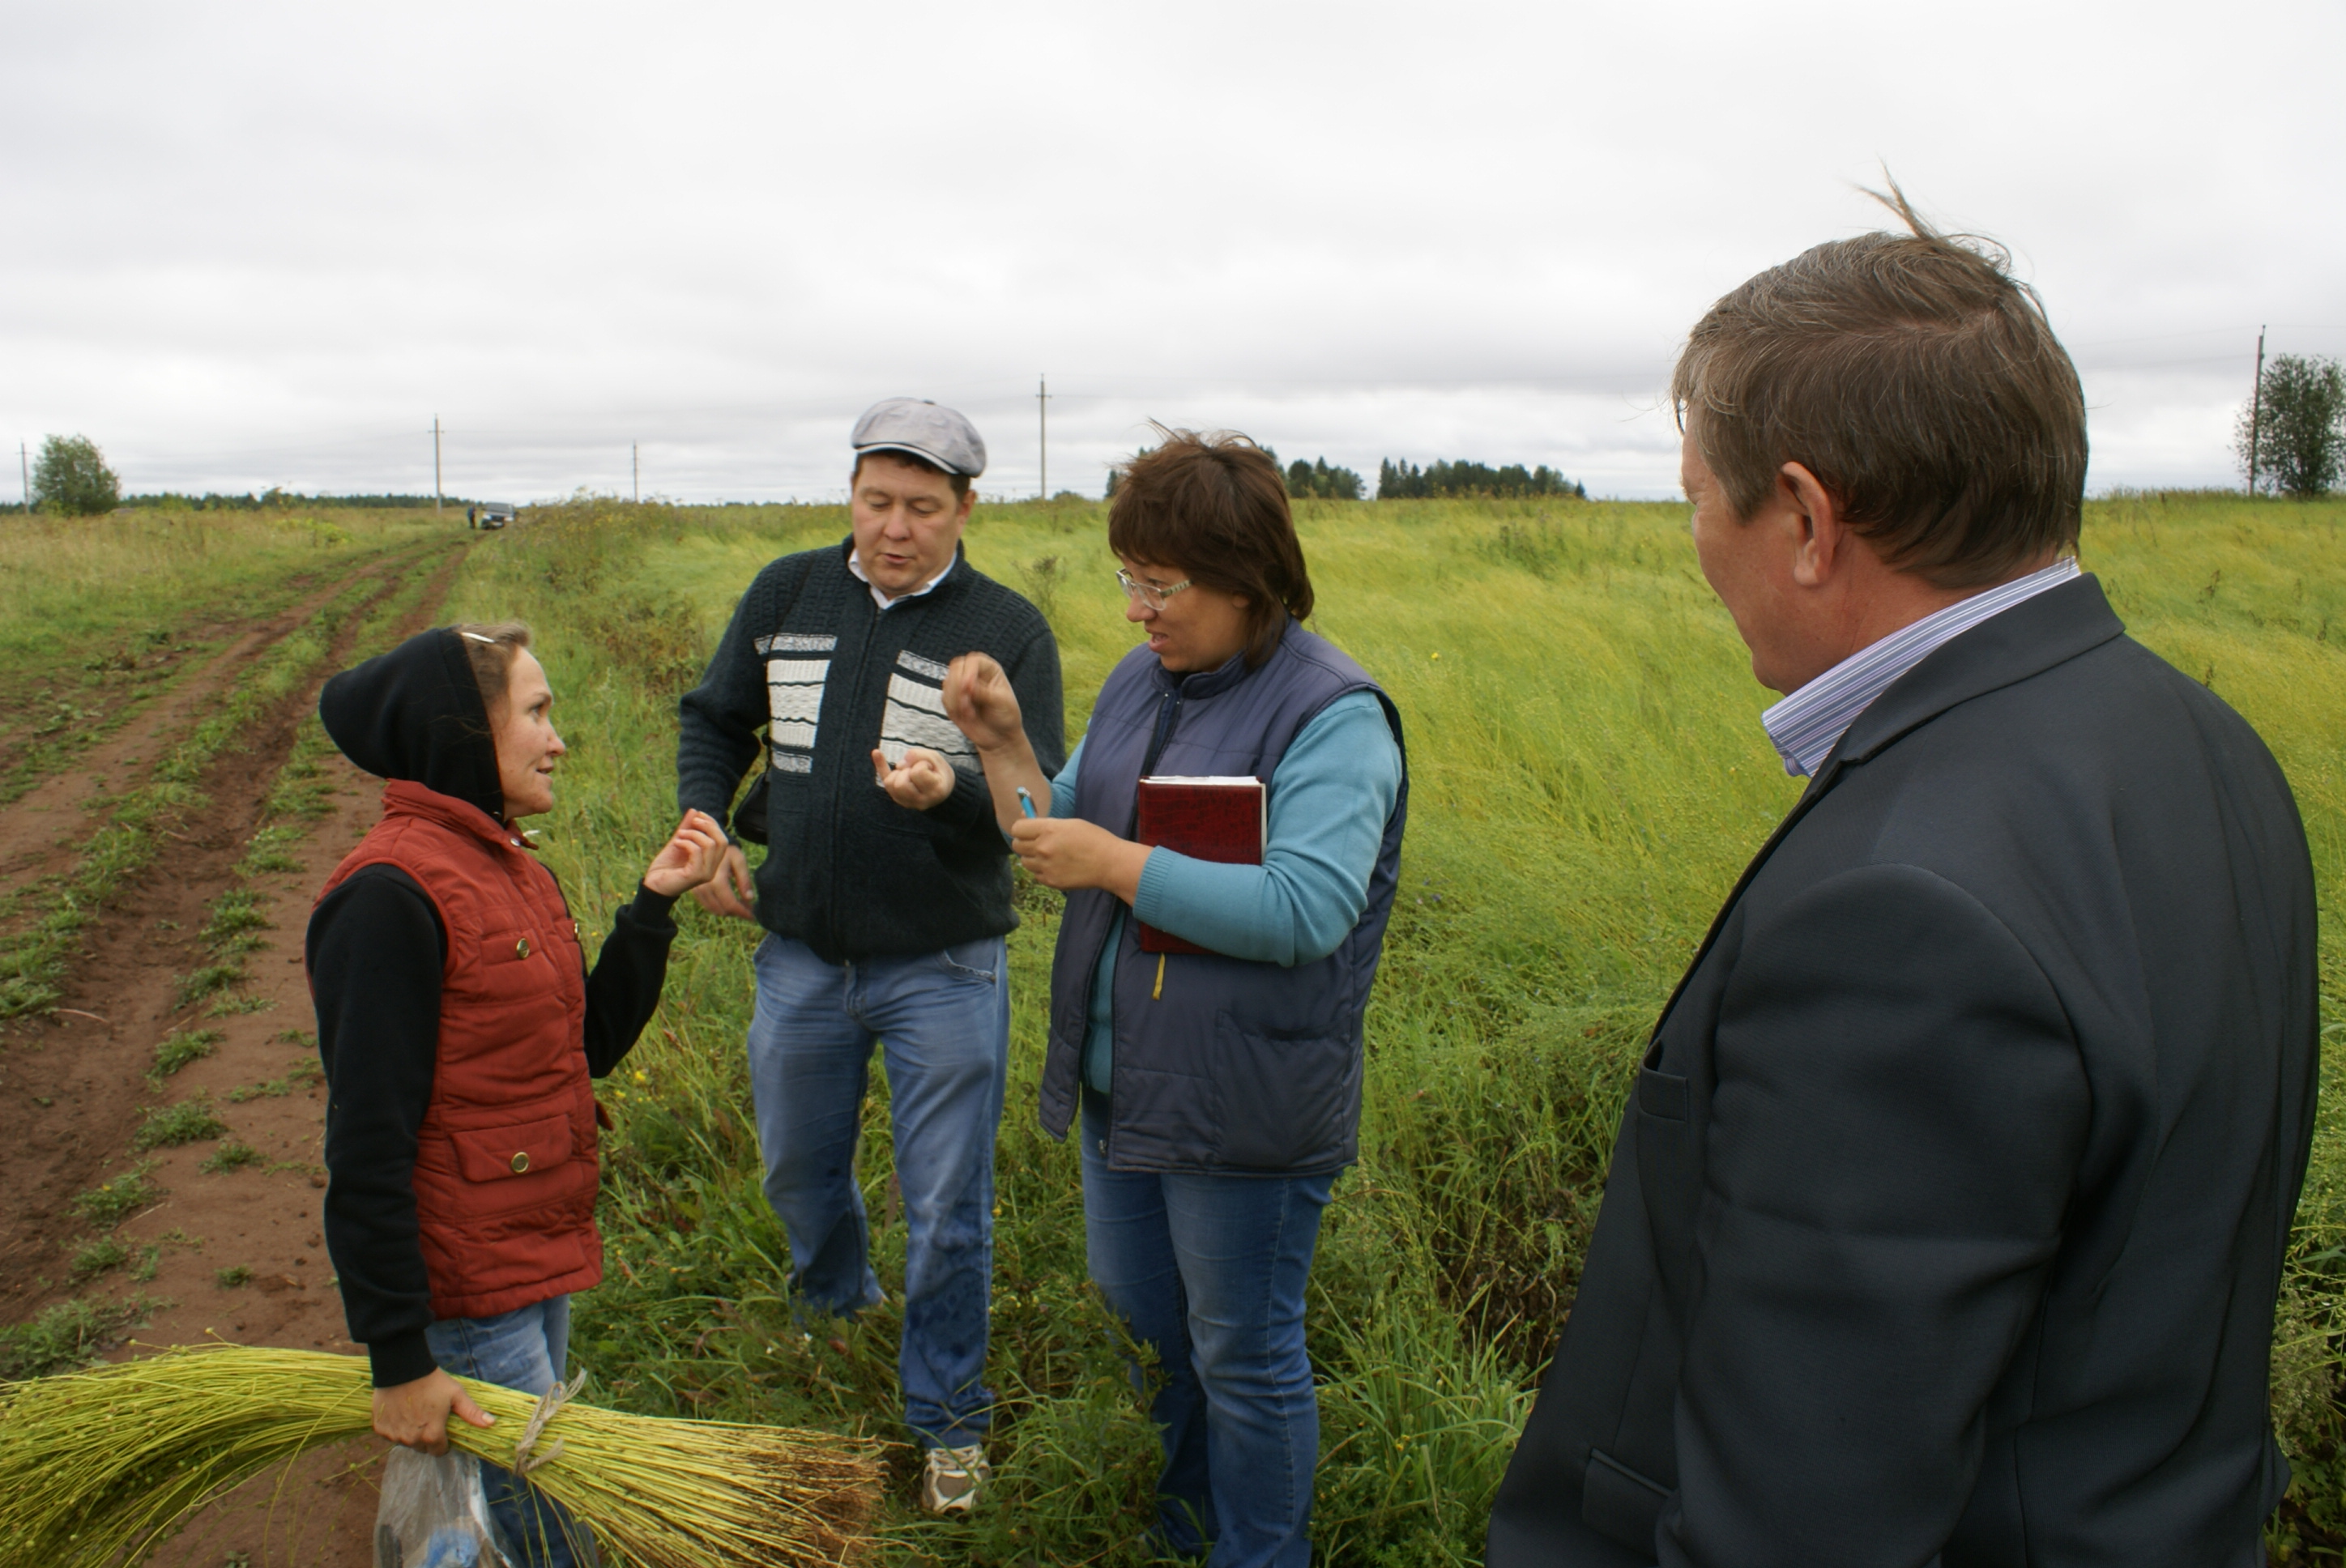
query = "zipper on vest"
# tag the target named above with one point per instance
(1167, 707)
(845, 770)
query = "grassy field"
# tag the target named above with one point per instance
(1589, 776)
(99, 615)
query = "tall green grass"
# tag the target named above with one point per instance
(1588, 777)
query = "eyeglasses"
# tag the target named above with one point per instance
(1148, 593)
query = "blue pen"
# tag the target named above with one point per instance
(1025, 801)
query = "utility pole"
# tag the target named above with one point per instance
(435, 462)
(635, 463)
(2256, 411)
(1043, 427)
(25, 468)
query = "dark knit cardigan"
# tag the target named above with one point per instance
(813, 661)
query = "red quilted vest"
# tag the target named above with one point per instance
(506, 1157)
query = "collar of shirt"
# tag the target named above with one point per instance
(856, 565)
(1806, 726)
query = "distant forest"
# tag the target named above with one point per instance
(1404, 480)
(211, 500)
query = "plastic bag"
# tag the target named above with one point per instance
(435, 1514)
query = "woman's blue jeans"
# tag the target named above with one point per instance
(1209, 1270)
(942, 1020)
(524, 1349)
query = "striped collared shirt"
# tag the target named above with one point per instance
(1807, 725)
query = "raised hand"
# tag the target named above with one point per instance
(1068, 853)
(979, 701)
(692, 857)
(924, 779)
(731, 892)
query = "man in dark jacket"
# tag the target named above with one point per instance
(886, 894)
(1947, 1214)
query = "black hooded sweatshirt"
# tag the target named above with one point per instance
(376, 949)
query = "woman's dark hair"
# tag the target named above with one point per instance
(1917, 378)
(489, 648)
(1214, 505)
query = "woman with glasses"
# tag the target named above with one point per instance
(1218, 1092)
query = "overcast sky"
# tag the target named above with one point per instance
(266, 244)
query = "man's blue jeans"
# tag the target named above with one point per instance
(942, 1020)
(525, 1350)
(1209, 1269)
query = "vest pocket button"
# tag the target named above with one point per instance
(521, 948)
(521, 1162)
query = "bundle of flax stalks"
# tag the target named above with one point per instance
(98, 1464)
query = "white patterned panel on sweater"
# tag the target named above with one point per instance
(915, 716)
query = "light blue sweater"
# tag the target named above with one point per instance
(1331, 798)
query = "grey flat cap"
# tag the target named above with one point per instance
(927, 430)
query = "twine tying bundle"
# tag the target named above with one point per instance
(524, 1462)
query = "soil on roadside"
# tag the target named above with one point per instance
(222, 1253)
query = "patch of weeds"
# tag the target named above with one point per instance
(302, 789)
(150, 1258)
(189, 1122)
(300, 1076)
(231, 1006)
(231, 1156)
(301, 1037)
(180, 1048)
(176, 1237)
(67, 1337)
(268, 851)
(232, 1276)
(234, 913)
(211, 979)
(98, 1256)
(109, 1206)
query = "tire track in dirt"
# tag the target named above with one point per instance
(89, 1065)
(71, 1084)
(42, 831)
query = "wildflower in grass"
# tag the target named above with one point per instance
(109, 1206)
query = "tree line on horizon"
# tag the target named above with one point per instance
(72, 479)
(1322, 480)
(1403, 480)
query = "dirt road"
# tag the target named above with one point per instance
(232, 1253)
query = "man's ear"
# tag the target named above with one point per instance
(1823, 534)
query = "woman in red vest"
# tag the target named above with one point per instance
(459, 1029)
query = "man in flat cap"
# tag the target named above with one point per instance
(885, 896)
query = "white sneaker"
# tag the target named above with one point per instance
(951, 1483)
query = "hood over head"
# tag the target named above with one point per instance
(416, 713)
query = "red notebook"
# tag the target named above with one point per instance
(1219, 820)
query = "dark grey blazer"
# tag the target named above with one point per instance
(1947, 1215)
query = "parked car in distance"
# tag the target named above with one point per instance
(489, 515)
